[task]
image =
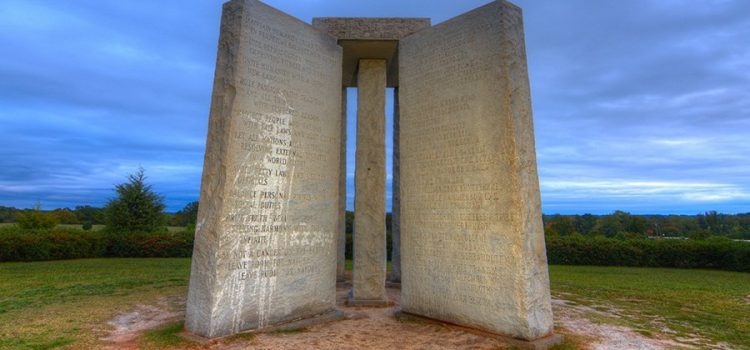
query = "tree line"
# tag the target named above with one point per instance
(88, 215)
(135, 208)
(621, 224)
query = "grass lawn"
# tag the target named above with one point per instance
(65, 304)
(712, 304)
(46, 305)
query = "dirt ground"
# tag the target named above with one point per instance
(378, 328)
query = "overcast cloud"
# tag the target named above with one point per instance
(642, 106)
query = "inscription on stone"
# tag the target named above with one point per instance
(265, 249)
(472, 245)
(269, 243)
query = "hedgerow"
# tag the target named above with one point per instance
(17, 244)
(715, 253)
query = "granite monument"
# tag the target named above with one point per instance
(469, 242)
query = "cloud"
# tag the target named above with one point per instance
(639, 105)
(689, 191)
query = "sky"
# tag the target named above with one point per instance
(642, 106)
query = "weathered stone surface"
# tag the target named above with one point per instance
(472, 241)
(368, 283)
(396, 196)
(370, 38)
(366, 28)
(341, 244)
(265, 247)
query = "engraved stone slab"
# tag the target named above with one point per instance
(472, 241)
(368, 280)
(369, 38)
(358, 28)
(265, 246)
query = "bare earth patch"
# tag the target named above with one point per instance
(370, 328)
(605, 336)
(130, 325)
(377, 328)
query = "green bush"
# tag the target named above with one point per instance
(714, 253)
(17, 244)
(158, 244)
(35, 219)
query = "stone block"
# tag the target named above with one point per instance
(265, 244)
(472, 240)
(368, 279)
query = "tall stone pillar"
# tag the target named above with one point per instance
(396, 196)
(341, 239)
(369, 180)
(473, 239)
(265, 242)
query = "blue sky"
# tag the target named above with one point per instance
(642, 106)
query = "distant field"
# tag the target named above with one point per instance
(45, 305)
(96, 227)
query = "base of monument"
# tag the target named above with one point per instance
(333, 315)
(344, 285)
(369, 302)
(536, 344)
(393, 284)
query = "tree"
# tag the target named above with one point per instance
(560, 225)
(7, 214)
(611, 225)
(188, 216)
(87, 213)
(65, 216)
(137, 208)
(700, 234)
(585, 223)
(635, 224)
(36, 219)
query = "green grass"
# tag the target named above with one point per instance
(167, 336)
(65, 304)
(45, 305)
(707, 303)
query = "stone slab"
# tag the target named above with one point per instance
(472, 240)
(265, 245)
(536, 344)
(367, 28)
(368, 276)
(369, 38)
